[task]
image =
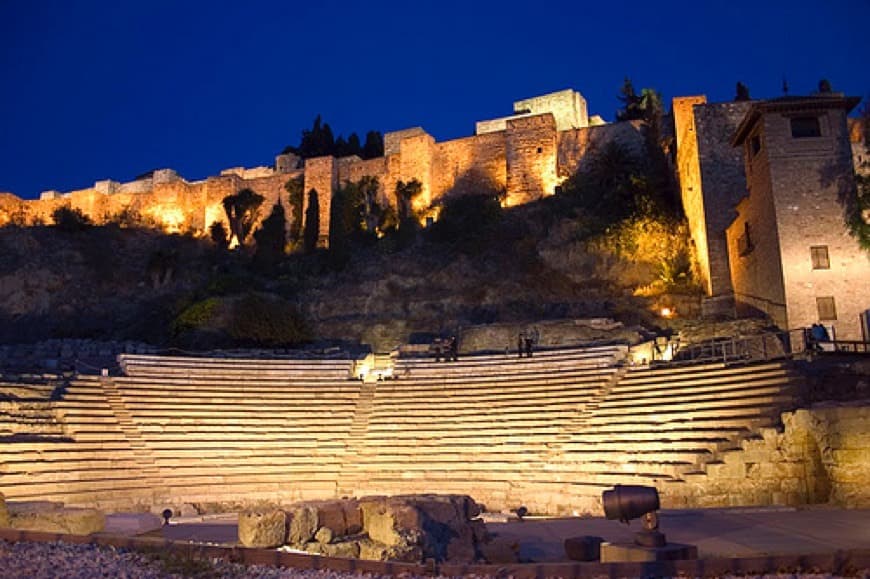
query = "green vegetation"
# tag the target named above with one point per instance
(319, 141)
(857, 207)
(312, 223)
(259, 320)
(196, 316)
(242, 210)
(218, 235)
(469, 222)
(70, 220)
(271, 238)
(296, 200)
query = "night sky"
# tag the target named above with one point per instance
(95, 90)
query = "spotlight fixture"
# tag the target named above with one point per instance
(627, 502)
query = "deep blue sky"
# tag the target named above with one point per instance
(110, 89)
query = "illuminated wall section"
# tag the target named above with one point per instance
(531, 151)
(689, 175)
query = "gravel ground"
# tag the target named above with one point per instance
(64, 561)
(61, 560)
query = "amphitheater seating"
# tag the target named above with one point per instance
(657, 425)
(264, 432)
(186, 367)
(92, 463)
(559, 427)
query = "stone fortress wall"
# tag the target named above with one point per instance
(527, 155)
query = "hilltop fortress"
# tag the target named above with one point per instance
(762, 185)
(526, 154)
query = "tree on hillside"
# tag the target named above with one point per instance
(631, 103)
(271, 237)
(312, 223)
(320, 141)
(296, 199)
(405, 195)
(742, 92)
(242, 210)
(374, 146)
(218, 234)
(70, 219)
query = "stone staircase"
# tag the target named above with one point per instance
(351, 470)
(151, 476)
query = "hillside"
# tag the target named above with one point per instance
(529, 264)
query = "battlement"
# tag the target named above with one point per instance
(568, 108)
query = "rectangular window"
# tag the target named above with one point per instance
(803, 127)
(827, 308)
(819, 254)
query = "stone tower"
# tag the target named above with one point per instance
(791, 255)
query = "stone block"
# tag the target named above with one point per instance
(584, 548)
(51, 518)
(500, 551)
(348, 549)
(303, 524)
(374, 551)
(631, 553)
(324, 535)
(352, 516)
(262, 529)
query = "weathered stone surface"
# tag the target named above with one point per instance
(303, 523)
(52, 518)
(438, 524)
(263, 529)
(323, 535)
(373, 551)
(349, 549)
(4, 512)
(500, 550)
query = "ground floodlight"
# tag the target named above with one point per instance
(627, 502)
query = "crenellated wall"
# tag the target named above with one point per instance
(525, 155)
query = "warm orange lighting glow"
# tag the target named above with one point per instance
(668, 313)
(171, 218)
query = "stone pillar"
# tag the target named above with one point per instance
(321, 174)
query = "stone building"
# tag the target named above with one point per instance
(763, 186)
(790, 251)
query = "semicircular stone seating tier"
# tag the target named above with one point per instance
(550, 432)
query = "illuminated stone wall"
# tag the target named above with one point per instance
(526, 155)
(577, 147)
(531, 158)
(711, 178)
(795, 187)
(321, 175)
(170, 202)
(822, 455)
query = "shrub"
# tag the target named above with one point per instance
(468, 220)
(70, 219)
(265, 321)
(196, 316)
(218, 234)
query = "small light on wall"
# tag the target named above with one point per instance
(668, 313)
